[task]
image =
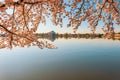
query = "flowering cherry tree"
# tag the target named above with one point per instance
(94, 11)
(19, 19)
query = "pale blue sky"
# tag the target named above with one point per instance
(82, 29)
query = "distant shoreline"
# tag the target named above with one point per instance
(53, 36)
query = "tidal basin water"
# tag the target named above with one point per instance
(75, 59)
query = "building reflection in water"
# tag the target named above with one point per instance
(53, 36)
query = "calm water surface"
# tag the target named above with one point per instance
(75, 59)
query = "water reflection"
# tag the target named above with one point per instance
(54, 37)
(75, 59)
(11, 41)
